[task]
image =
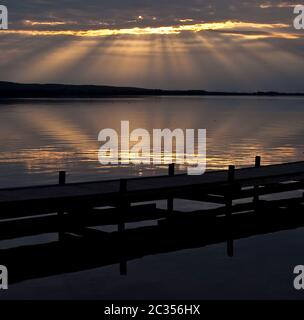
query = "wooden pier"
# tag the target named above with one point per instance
(214, 187)
(83, 202)
(74, 210)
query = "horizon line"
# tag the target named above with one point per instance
(156, 91)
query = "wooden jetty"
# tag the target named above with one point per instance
(74, 210)
(144, 189)
(40, 208)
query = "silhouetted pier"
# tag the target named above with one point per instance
(84, 201)
(73, 210)
(148, 188)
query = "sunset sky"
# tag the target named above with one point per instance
(227, 45)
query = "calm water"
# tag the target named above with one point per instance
(40, 138)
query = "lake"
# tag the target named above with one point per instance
(41, 137)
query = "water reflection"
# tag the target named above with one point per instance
(202, 257)
(41, 137)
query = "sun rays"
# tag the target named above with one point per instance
(159, 57)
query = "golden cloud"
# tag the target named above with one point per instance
(167, 30)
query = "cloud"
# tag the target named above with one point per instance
(269, 4)
(165, 30)
(196, 44)
(164, 12)
(48, 23)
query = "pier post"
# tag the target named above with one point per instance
(231, 177)
(62, 178)
(231, 173)
(123, 204)
(62, 181)
(170, 202)
(171, 170)
(257, 161)
(228, 201)
(256, 188)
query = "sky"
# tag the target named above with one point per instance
(229, 45)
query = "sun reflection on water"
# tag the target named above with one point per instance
(39, 139)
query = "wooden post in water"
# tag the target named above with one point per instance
(171, 170)
(256, 188)
(231, 177)
(123, 204)
(62, 178)
(257, 161)
(231, 173)
(62, 181)
(170, 202)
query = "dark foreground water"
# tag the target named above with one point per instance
(41, 137)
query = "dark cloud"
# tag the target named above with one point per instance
(121, 12)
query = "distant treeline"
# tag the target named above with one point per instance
(18, 90)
